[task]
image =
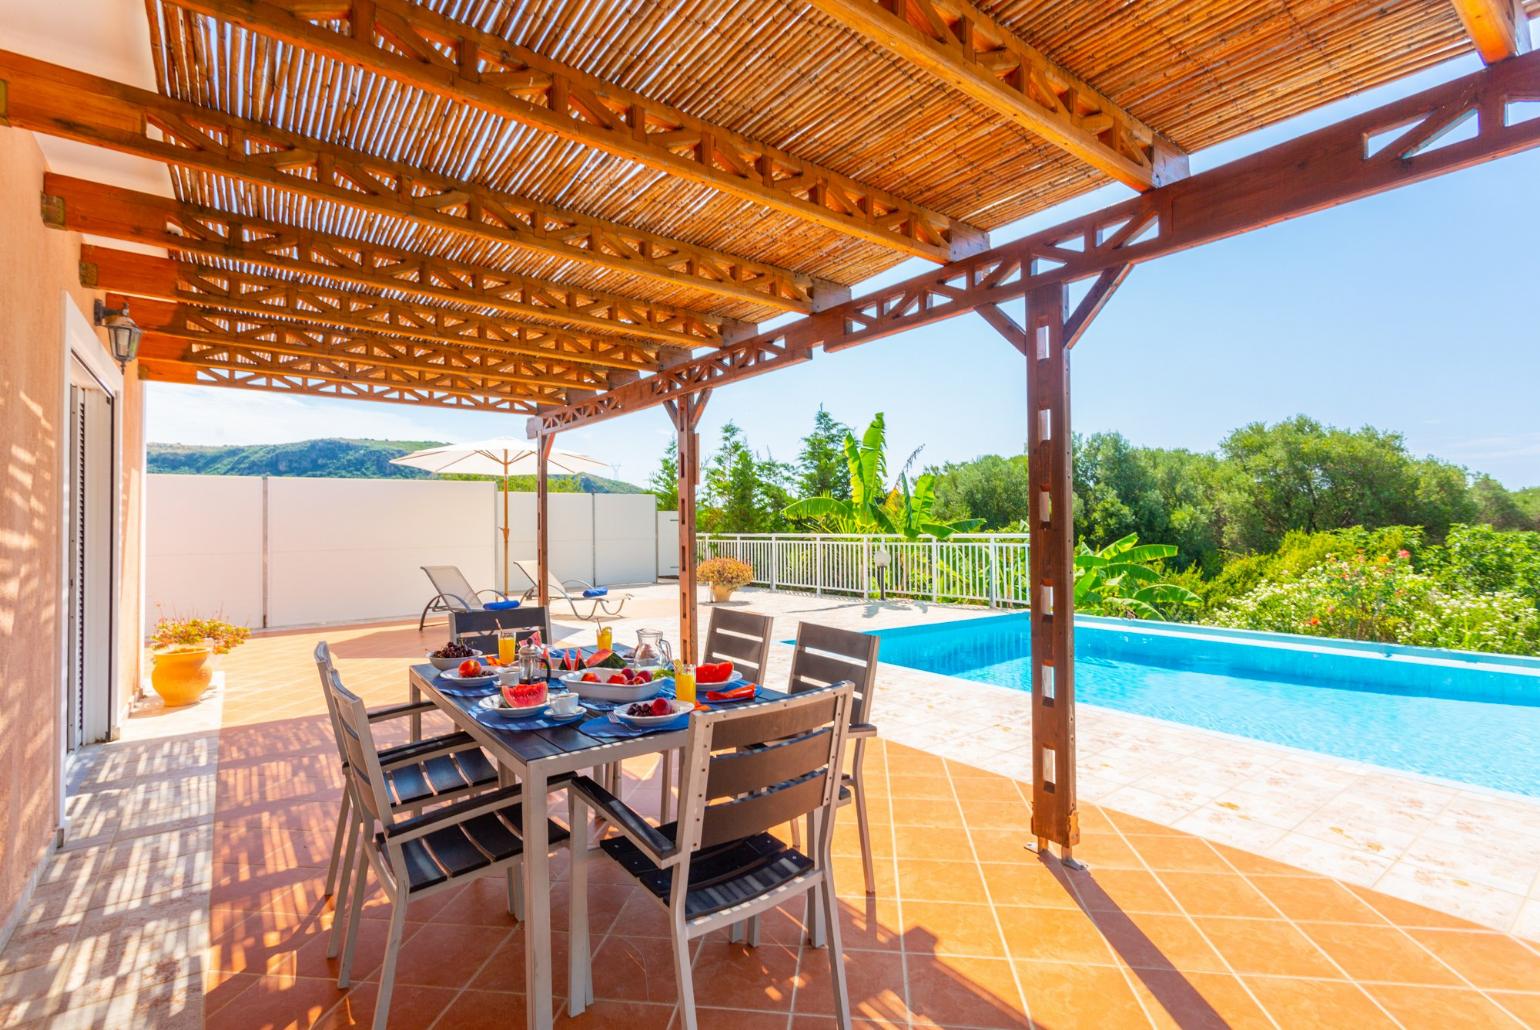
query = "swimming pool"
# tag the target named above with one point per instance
(1473, 718)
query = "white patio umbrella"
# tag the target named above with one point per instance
(502, 456)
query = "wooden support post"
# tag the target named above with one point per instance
(543, 444)
(1051, 561)
(685, 412)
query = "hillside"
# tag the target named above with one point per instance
(337, 459)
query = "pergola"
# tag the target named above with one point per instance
(579, 209)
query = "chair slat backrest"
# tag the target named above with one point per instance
(789, 768)
(742, 638)
(826, 655)
(355, 743)
(451, 583)
(328, 669)
(479, 629)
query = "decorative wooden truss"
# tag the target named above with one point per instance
(1403, 142)
(60, 102)
(202, 232)
(970, 51)
(1499, 28)
(415, 46)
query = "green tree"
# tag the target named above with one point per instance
(1126, 579)
(1497, 507)
(991, 488)
(665, 481)
(821, 468)
(741, 492)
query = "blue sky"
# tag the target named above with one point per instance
(1415, 310)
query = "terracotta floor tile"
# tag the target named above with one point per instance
(1197, 1001)
(484, 1010)
(1106, 851)
(742, 977)
(994, 845)
(410, 1005)
(1061, 994)
(503, 971)
(1525, 1006)
(1315, 898)
(986, 814)
(1247, 862)
(619, 1015)
(1379, 953)
(1436, 1008)
(626, 969)
(874, 980)
(1154, 941)
(278, 1003)
(974, 992)
(1488, 960)
(444, 955)
(912, 786)
(865, 924)
(1217, 894)
(1027, 882)
(1178, 854)
(937, 928)
(850, 877)
(1317, 1003)
(1408, 913)
(929, 812)
(1134, 824)
(923, 842)
(1125, 890)
(1266, 946)
(737, 1019)
(938, 880)
(1052, 934)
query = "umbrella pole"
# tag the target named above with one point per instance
(505, 529)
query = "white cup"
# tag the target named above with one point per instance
(565, 703)
(508, 677)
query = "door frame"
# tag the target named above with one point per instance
(82, 354)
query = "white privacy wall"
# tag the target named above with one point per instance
(291, 552)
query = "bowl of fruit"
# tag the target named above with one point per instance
(600, 684)
(716, 674)
(652, 713)
(451, 655)
(472, 672)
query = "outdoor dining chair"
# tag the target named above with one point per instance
(744, 771)
(827, 655)
(601, 603)
(415, 856)
(736, 636)
(455, 593)
(478, 630)
(418, 773)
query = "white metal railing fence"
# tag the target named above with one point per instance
(986, 568)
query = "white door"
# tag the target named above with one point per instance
(89, 652)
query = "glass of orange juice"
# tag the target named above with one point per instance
(684, 682)
(606, 638)
(508, 647)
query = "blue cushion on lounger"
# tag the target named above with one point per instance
(501, 606)
(596, 591)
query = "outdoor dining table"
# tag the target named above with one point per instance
(536, 757)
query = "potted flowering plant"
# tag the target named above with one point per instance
(184, 651)
(724, 575)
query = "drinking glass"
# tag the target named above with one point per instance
(684, 682)
(508, 646)
(606, 638)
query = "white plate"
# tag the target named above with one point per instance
(555, 716)
(496, 704)
(450, 664)
(680, 708)
(735, 680)
(609, 691)
(453, 676)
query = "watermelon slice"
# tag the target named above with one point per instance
(597, 657)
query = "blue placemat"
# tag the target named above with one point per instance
(666, 688)
(535, 722)
(454, 690)
(604, 726)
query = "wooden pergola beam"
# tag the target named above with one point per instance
(270, 297)
(61, 102)
(1498, 28)
(966, 49)
(1318, 170)
(299, 340)
(255, 374)
(418, 47)
(88, 207)
(341, 372)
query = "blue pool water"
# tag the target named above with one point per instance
(1473, 718)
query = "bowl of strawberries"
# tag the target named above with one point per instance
(626, 684)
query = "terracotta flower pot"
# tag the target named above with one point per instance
(181, 676)
(721, 593)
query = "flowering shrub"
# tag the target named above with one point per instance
(1384, 599)
(180, 633)
(725, 572)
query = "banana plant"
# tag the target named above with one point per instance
(1123, 578)
(874, 507)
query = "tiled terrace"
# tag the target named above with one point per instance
(190, 894)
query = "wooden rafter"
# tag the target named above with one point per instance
(293, 339)
(416, 46)
(968, 50)
(89, 207)
(256, 373)
(1330, 166)
(270, 297)
(58, 101)
(1498, 28)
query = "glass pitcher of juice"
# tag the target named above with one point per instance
(684, 682)
(508, 647)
